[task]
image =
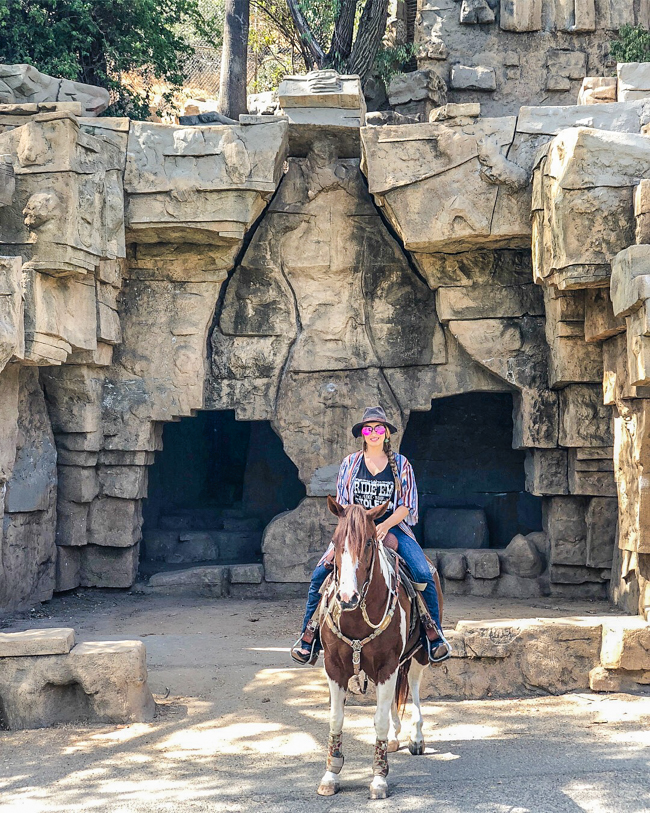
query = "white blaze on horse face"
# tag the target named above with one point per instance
(348, 582)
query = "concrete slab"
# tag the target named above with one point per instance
(58, 641)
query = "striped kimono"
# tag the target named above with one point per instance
(409, 496)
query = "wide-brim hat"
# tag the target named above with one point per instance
(375, 413)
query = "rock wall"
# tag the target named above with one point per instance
(505, 53)
(100, 346)
(149, 271)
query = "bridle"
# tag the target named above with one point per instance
(333, 608)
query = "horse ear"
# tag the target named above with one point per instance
(334, 507)
(377, 511)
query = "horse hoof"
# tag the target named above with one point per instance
(393, 745)
(378, 788)
(416, 748)
(328, 788)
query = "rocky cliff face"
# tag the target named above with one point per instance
(149, 271)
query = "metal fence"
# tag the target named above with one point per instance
(264, 68)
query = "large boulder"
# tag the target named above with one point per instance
(521, 558)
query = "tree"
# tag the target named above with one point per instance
(234, 58)
(633, 44)
(355, 40)
(99, 41)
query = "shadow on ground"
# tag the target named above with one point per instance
(242, 730)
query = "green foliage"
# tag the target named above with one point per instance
(633, 44)
(321, 16)
(274, 44)
(98, 41)
(391, 59)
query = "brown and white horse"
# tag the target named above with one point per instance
(365, 625)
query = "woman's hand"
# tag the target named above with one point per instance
(382, 529)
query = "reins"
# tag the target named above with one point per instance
(357, 644)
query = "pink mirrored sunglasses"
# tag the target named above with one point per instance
(368, 430)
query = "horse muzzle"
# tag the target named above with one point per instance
(350, 603)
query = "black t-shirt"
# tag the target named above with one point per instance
(370, 490)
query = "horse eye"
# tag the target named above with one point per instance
(368, 543)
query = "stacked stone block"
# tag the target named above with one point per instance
(46, 680)
(69, 299)
(513, 52)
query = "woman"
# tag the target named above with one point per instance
(369, 478)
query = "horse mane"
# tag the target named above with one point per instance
(354, 523)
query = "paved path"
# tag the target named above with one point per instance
(241, 730)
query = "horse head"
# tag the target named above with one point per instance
(355, 540)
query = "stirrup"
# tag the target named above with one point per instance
(314, 650)
(432, 648)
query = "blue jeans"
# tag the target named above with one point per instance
(412, 554)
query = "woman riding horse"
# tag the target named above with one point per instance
(371, 477)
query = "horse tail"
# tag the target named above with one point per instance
(402, 686)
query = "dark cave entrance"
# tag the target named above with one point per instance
(212, 489)
(471, 481)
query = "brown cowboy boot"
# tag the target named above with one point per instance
(307, 647)
(436, 645)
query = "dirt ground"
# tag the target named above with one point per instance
(241, 728)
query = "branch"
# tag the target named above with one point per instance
(342, 35)
(285, 28)
(371, 30)
(304, 32)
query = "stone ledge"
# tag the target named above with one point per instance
(619, 680)
(56, 641)
(95, 682)
(626, 644)
(517, 658)
(524, 657)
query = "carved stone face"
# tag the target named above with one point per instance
(323, 151)
(40, 208)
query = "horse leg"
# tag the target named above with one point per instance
(329, 784)
(394, 729)
(416, 741)
(385, 698)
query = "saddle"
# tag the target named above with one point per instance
(414, 589)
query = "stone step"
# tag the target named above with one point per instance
(205, 519)
(54, 641)
(217, 545)
(204, 580)
(175, 522)
(242, 524)
(233, 511)
(188, 519)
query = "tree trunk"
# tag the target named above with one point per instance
(372, 27)
(306, 37)
(232, 88)
(342, 36)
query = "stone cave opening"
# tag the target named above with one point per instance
(214, 486)
(471, 482)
